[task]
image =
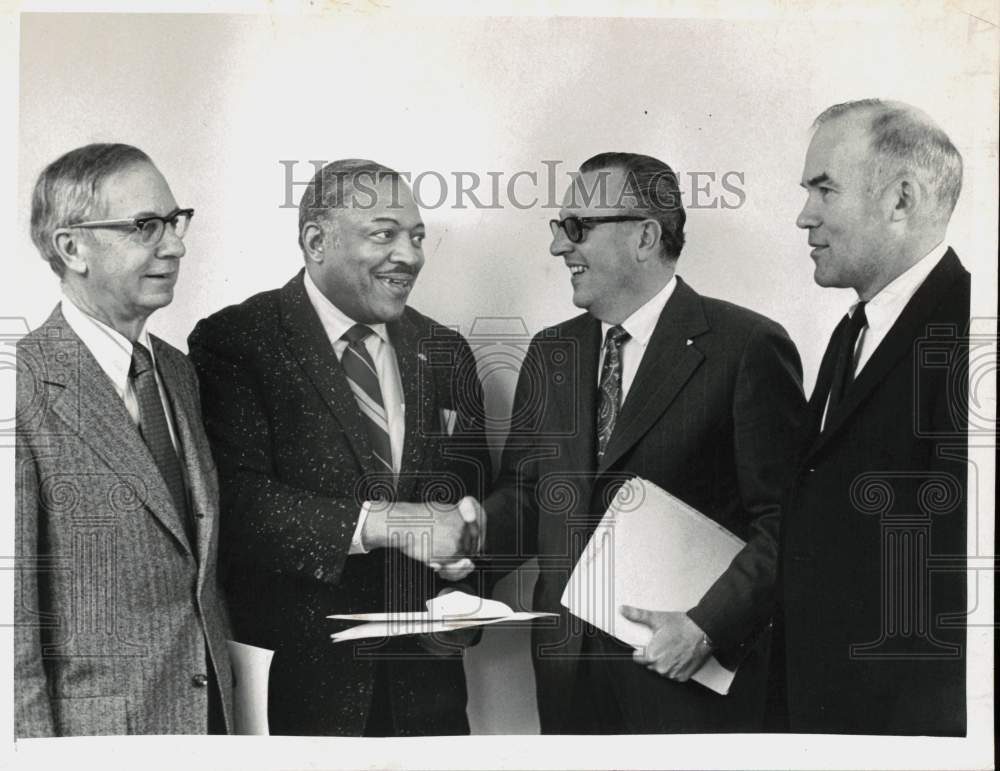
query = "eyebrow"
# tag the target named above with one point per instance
(819, 179)
(150, 213)
(394, 221)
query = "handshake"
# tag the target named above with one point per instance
(443, 536)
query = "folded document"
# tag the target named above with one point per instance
(653, 551)
(455, 610)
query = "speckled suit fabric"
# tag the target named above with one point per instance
(119, 616)
(714, 416)
(295, 466)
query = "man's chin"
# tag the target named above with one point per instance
(385, 313)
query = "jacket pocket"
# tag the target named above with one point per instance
(91, 716)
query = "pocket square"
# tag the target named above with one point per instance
(448, 420)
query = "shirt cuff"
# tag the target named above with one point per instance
(357, 545)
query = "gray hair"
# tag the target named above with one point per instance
(68, 191)
(903, 138)
(329, 188)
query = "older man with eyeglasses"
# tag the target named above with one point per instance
(120, 624)
(701, 397)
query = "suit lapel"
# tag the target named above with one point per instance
(899, 342)
(90, 406)
(419, 396)
(309, 344)
(821, 391)
(581, 367)
(669, 361)
(194, 449)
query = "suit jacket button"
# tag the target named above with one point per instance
(200, 680)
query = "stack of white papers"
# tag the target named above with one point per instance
(652, 551)
(455, 610)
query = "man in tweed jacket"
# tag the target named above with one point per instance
(120, 624)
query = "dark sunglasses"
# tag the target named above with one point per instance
(576, 228)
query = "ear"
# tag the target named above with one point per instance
(648, 246)
(67, 245)
(905, 197)
(313, 241)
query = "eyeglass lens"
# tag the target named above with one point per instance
(153, 227)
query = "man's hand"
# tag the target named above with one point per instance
(450, 643)
(677, 649)
(475, 516)
(439, 535)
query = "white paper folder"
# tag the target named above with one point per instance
(653, 551)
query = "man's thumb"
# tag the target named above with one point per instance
(639, 615)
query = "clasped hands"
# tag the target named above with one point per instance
(443, 536)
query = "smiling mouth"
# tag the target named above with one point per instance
(577, 270)
(397, 282)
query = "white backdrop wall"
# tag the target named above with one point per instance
(218, 101)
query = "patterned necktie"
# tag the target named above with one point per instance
(363, 379)
(154, 430)
(843, 373)
(610, 396)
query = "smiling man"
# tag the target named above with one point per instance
(120, 626)
(699, 396)
(873, 559)
(347, 427)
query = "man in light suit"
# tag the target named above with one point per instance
(701, 397)
(347, 427)
(120, 625)
(873, 557)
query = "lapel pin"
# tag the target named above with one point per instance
(689, 342)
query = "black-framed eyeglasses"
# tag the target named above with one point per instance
(151, 228)
(576, 228)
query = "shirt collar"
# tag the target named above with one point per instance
(335, 322)
(642, 322)
(885, 307)
(112, 349)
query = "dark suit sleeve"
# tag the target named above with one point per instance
(512, 508)
(769, 414)
(265, 522)
(33, 709)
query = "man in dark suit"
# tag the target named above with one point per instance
(120, 624)
(699, 396)
(347, 428)
(873, 557)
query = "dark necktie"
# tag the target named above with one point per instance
(843, 373)
(363, 379)
(610, 396)
(154, 430)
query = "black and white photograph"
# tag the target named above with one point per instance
(503, 385)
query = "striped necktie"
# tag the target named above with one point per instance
(363, 379)
(610, 394)
(155, 432)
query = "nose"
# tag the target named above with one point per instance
(171, 245)
(807, 217)
(560, 245)
(407, 253)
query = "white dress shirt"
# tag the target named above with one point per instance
(335, 322)
(884, 309)
(640, 326)
(113, 352)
